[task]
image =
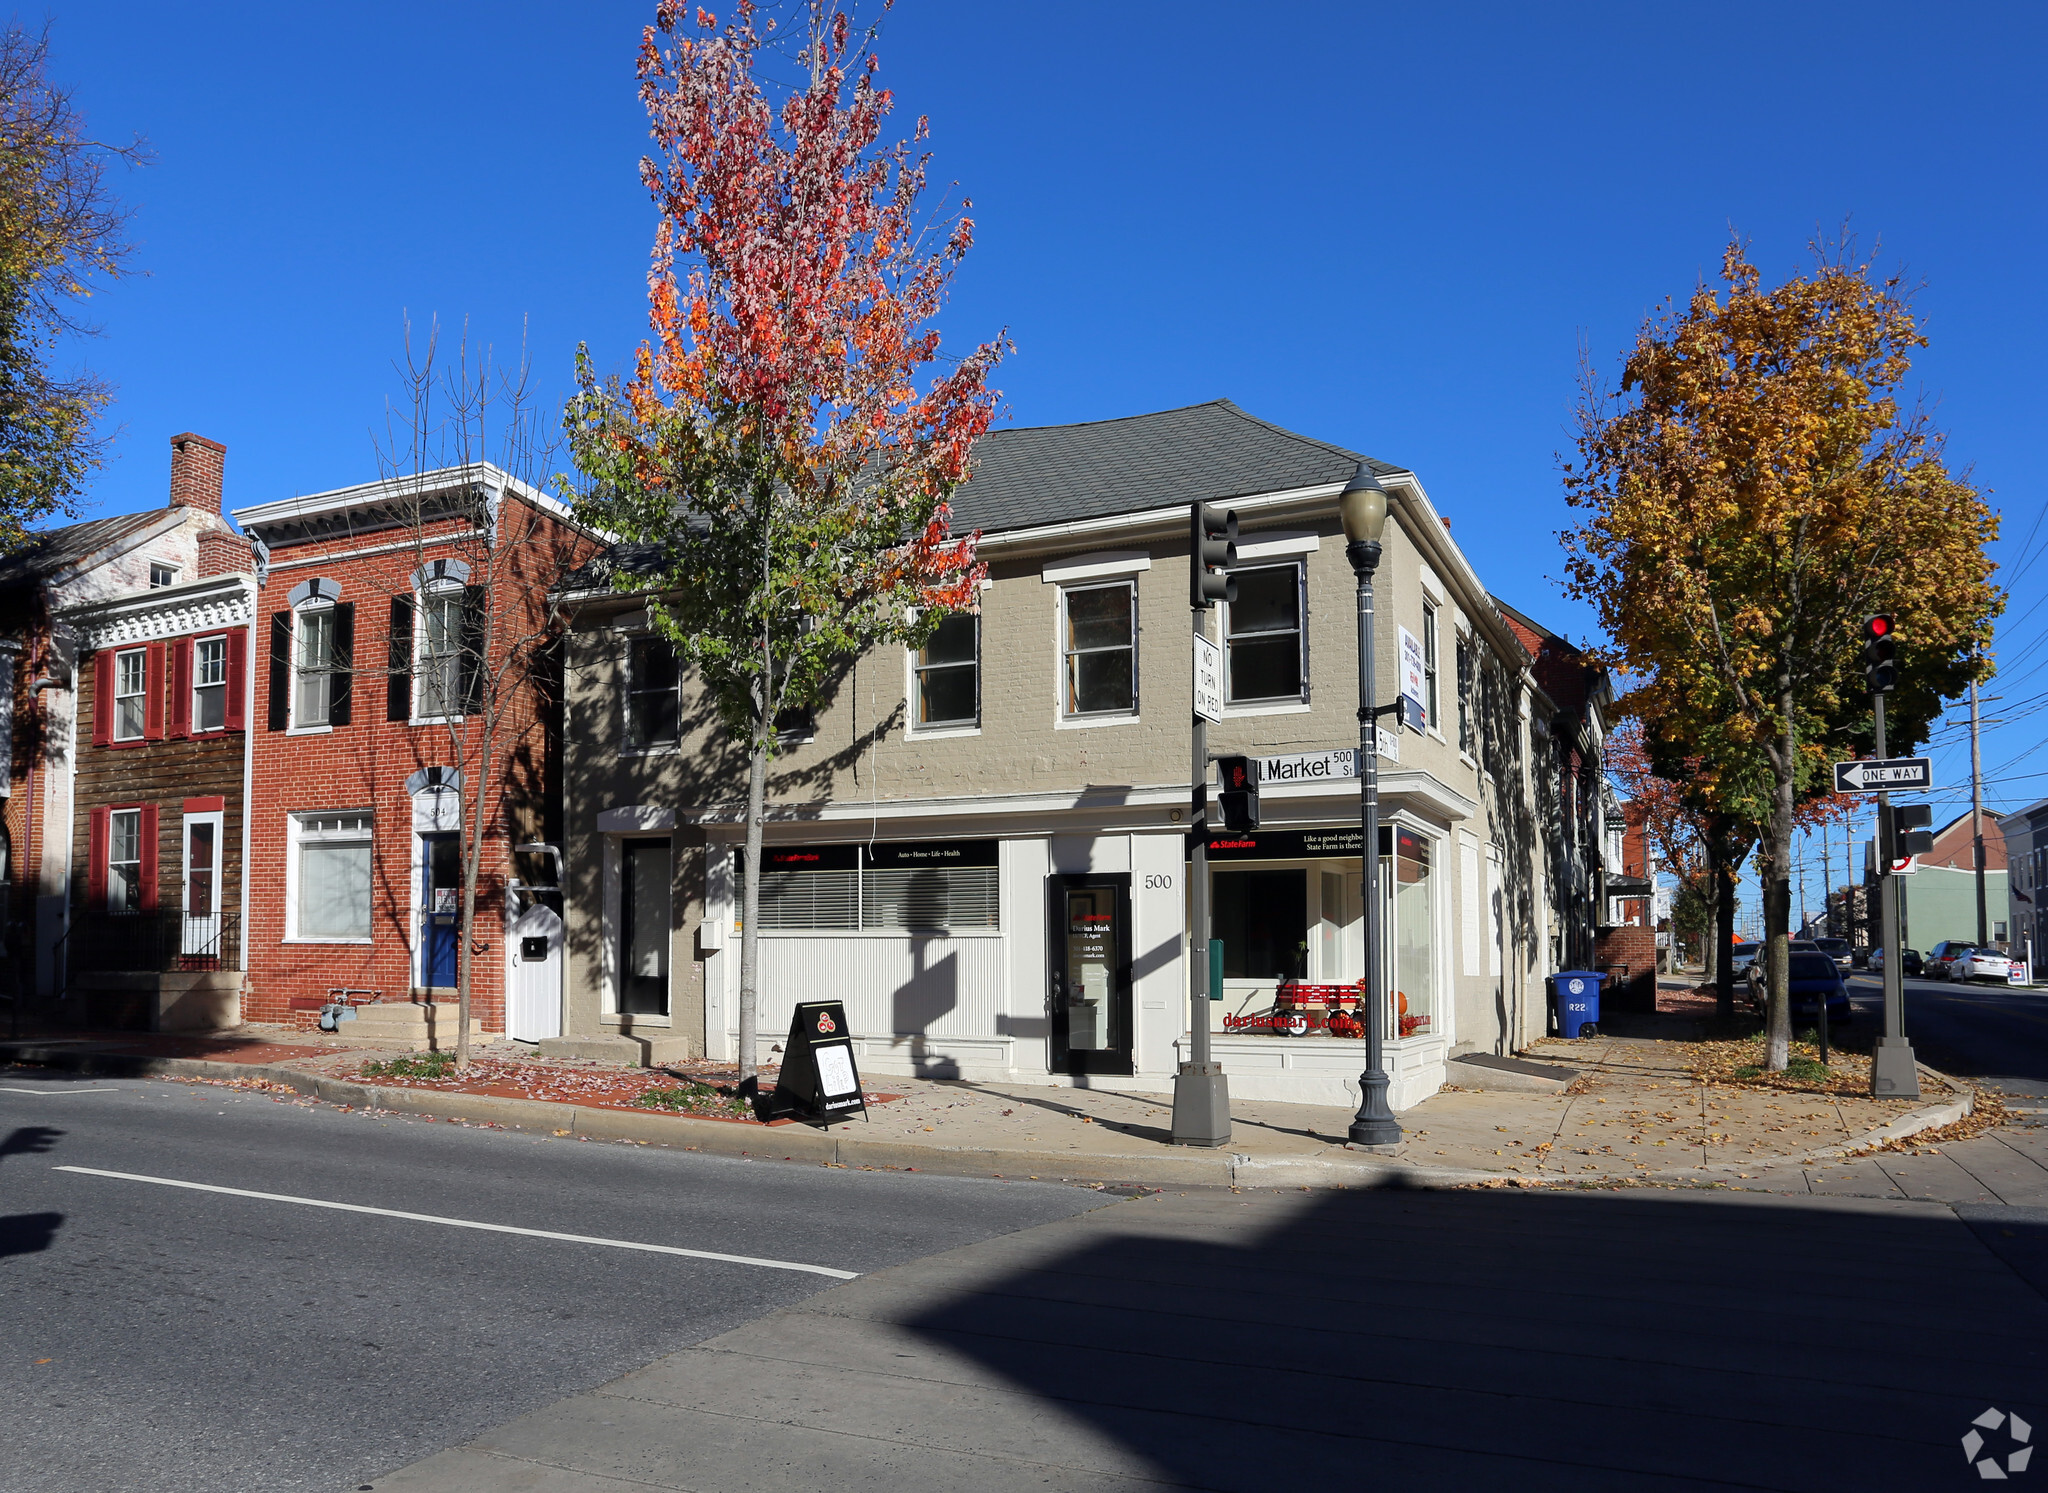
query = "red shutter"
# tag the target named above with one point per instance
(96, 866)
(153, 697)
(149, 857)
(238, 682)
(103, 697)
(181, 689)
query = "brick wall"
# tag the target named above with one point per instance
(365, 763)
(1636, 947)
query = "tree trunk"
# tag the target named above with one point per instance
(1724, 925)
(750, 917)
(1708, 943)
(1776, 865)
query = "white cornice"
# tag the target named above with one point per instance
(208, 605)
(1165, 520)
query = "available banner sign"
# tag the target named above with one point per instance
(1413, 711)
(818, 1081)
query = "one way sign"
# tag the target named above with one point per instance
(1884, 772)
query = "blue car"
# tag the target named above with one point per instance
(1815, 978)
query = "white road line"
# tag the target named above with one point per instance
(9, 1089)
(470, 1223)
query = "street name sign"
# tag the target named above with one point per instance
(1208, 679)
(1894, 773)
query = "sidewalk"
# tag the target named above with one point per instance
(1636, 1112)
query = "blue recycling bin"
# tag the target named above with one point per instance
(1577, 994)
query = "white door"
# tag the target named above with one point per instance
(535, 1008)
(201, 934)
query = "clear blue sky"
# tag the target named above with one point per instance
(1389, 226)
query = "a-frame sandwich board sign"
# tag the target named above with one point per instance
(819, 1081)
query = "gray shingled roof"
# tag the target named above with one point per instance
(50, 550)
(1049, 474)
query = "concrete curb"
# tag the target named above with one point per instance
(1181, 1167)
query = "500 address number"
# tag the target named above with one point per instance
(1158, 883)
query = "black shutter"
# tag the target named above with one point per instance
(473, 642)
(341, 694)
(280, 670)
(398, 685)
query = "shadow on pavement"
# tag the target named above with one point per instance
(28, 1233)
(1409, 1339)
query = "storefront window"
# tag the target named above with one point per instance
(1414, 922)
(1262, 918)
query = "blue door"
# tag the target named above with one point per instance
(441, 909)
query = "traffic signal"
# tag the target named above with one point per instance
(1910, 833)
(1212, 545)
(1239, 793)
(1879, 666)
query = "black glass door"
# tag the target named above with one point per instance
(1091, 974)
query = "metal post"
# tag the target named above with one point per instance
(1374, 1124)
(1977, 818)
(1893, 1072)
(1201, 1092)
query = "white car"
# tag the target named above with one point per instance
(1980, 964)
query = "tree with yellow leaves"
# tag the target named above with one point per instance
(1752, 492)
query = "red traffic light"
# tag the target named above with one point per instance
(1877, 627)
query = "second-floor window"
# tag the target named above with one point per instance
(1432, 717)
(124, 860)
(131, 694)
(440, 665)
(1262, 634)
(1100, 642)
(653, 695)
(210, 684)
(313, 668)
(948, 671)
(162, 574)
(1465, 732)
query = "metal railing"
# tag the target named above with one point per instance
(152, 942)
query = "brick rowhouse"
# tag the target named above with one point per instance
(396, 621)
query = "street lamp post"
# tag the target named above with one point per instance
(1363, 506)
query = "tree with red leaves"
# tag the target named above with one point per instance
(773, 452)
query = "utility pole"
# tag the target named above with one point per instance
(1977, 816)
(1894, 1072)
(1827, 884)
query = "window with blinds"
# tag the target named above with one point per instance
(934, 887)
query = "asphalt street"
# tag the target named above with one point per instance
(171, 1339)
(1995, 1034)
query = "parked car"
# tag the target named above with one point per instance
(1815, 978)
(1980, 964)
(1909, 961)
(1943, 954)
(1836, 949)
(1741, 956)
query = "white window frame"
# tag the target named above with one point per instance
(627, 746)
(1465, 687)
(322, 606)
(114, 818)
(198, 684)
(1072, 720)
(140, 693)
(436, 592)
(1271, 704)
(172, 570)
(940, 730)
(1432, 668)
(300, 836)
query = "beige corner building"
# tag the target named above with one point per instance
(951, 830)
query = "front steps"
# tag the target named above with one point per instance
(428, 1025)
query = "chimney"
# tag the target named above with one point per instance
(1446, 518)
(196, 465)
(222, 552)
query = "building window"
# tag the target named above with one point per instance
(940, 887)
(1429, 693)
(131, 694)
(439, 668)
(162, 574)
(1262, 918)
(1100, 644)
(1466, 743)
(124, 861)
(332, 865)
(949, 673)
(654, 701)
(313, 692)
(1408, 906)
(1262, 635)
(210, 684)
